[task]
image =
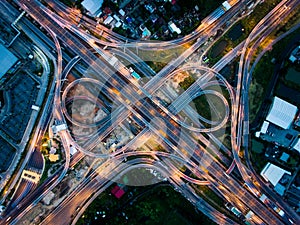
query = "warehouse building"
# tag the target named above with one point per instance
(7, 60)
(273, 173)
(277, 176)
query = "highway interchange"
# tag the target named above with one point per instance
(179, 138)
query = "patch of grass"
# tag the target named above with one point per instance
(156, 205)
(210, 195)
(255, 90)
(257, 146)
(218, 48)
(258, 161)
(156, 66)
(45, 172)
(187, 82)
(175, 218)
(292, 76)
(292, 162)
(72, 3)
(247, 23)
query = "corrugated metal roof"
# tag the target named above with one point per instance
(282, 113)
(273, 173)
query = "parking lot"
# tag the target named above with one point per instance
(23, 92)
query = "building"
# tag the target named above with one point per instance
(122, 12)
(292, 59)
(214, 16)
(7, 60)
(273, 173)
(108, 20)
(52, 150)
(53, 157)
(93, 6)
(263, 129)
(280, 126)
(73, 150)
(36, 108)
(173, 28)
(277, 176)
(116, 18)
(146, 33)
(263, 198)
(118, 24)
(117, 191)
(281, 113)
(297, 121)
(150, 7)
(295, 55)
(59, 128)
(31, 176)
(284, 157)
(226, 5)
(296, 144)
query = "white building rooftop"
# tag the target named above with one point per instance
(116, 18)
(118, 24)
(59, 128)
(92, 5)
(264, 127)
(296, 146)
(174, 28)
(122, 12)
(108, 20)
(73, 150)
(282, 113)
(226, 5)
(34, 107)
(263, 197)
(273, 173)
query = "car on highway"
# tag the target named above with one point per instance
(205, 58)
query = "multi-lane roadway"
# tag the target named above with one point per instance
(156, 119)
